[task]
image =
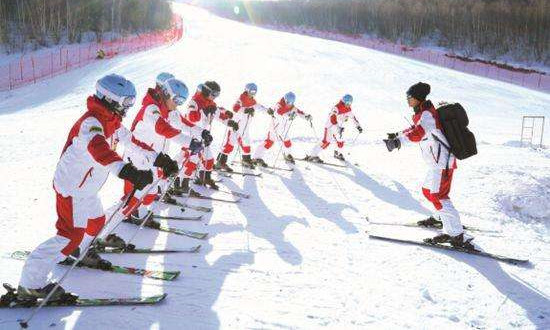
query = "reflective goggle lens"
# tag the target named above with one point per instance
(179, 100)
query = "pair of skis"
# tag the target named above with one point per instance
(153, 224)
(9, 300)
(514, 261)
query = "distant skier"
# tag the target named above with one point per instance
(427, 132)
(334, 128)
(244, 110)
(85, 163)
(201, 111)
(154, 126)
(282, 117)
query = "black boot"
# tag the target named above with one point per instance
(31, 295)
(91, 259)
(460, 241)
(259, 162)
(221, 163)
(314, 159)
(247, 162)
(289, 159)
(209, 182)
(200, 178)
(338, 155)
(112, 240)
(176, 189)
(430, 222)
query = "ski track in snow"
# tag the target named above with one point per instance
(296, 254)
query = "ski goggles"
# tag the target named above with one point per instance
(128, 101)
(179, 100)
(251, 92)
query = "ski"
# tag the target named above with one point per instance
(156, 274)
(217, 199)
(414, 224)
(107, 249)
(269, 167)
(227, 192)
(171, 217)
(452, 248)
(9, 300)
(185, 205)
(157, 226)
(238, 173)
(323, 163)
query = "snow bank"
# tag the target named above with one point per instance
(527, 198)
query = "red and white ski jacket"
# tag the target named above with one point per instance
(244, 102)
(152, 124)
(195, 120)
(283, 115)
(427, 132)
(339, 115)
(89, 153)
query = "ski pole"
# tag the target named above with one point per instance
(150, 213)
(282, 141)
(353, 142)
(238, 145)
(123, 203)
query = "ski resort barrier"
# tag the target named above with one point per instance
(527, 78)
(28, 69)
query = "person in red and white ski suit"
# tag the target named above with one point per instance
(201, 111)
(427, 132)
(334, 128)
(85, 163)
(154, 126)
(243, 110)
(282, 114)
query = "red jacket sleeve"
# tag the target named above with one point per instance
(100, 151)
(163, 128)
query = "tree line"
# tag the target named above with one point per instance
(45, 22)
(517, 29)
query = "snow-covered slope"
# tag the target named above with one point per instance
(296, 254)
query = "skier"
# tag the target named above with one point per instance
(152, 126)
(334, 128)
(244, 109)
(427, 132)
(85, 163)
(201, 111)
(282, 117)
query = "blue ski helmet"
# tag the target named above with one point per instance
(162, 77)
(289, 98)
(347, 99)
(251, 88)
(118, 92)
(176, 90)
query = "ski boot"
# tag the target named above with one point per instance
(209, 182)
(221, 164)
(247, 162)
(176, 189)
(185, 190)
(112, 240)
(314, 159)
(91, 260)
(259, 162)
(338, 155)
(430, 222)
(289, 159)
(30, 296)
(149, 221)
(458, 241)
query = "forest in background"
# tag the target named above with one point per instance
(497, 29)
(38, 23)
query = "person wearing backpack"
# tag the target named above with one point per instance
(428, 133)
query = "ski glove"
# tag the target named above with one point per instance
(210, 110)
(250, 111)
(233, 124)
(168, 166)
(393, 135)
(206, 137)
(360, 129)
(308, 118)
(340, 131)
(228, 114)
(139, 178)
(196, 146)
(270, 112)
(392, 144)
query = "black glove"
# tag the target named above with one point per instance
(196, 146)
(209, 110)
(250, 111)
(168, 166)
(392, 135)
(392, 144)
(309, 118)
(139, 178)
(206, 137)
(360, 129)
(270, 112)
(229, 114)
(340, 131)
(233, 124)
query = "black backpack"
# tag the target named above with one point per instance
(454, 124)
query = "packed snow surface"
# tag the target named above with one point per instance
(296, 255)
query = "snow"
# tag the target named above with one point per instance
(296, 254)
